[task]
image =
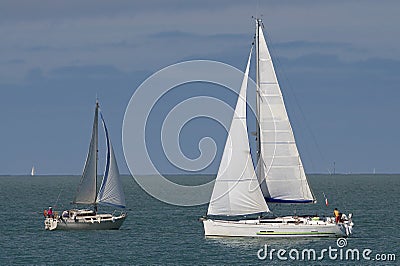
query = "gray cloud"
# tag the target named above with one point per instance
(340, 58)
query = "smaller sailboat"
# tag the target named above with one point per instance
(110, 192)
(33, 171)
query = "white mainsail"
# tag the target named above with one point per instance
(87, 189)
(236, 190)
(111, 191)
(280, 169)
(33, 171)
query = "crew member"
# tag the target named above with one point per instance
(337, 215)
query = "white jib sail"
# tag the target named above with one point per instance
(86, 193)
(236, 190)
(280, 164)
(111, 191)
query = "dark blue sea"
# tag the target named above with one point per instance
(158, 233)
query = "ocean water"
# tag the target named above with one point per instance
(158, 233)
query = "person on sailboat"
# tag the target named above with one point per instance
(50, 213)
(337, 215)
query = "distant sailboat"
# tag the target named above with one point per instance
(110, 192)
(240, 190)
(33, 171)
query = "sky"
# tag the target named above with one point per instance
(337, 63)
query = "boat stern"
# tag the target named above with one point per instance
(50, 223)
(348, 224)
(208, 226)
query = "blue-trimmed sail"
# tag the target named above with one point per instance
(280, 170)
(111, 191)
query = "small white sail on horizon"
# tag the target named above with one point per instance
(33, 171)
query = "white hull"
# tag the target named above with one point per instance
(90, 222)
(278, 227)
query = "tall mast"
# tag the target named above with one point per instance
(257, 96)
(97, 151)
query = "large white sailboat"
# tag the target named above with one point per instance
(110, 192)
(240, 190)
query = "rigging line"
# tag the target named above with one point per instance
(58, 197)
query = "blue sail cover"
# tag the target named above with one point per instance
(111, 192)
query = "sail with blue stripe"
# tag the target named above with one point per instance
(111, 192)
(280, 169)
